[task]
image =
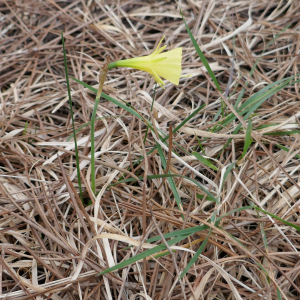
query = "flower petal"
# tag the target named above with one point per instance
(157, 78)
(157, 48)
(157, 64)
(170, 68)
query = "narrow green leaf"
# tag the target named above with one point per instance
(248, 139)
(204, 161)
(189, 231)
(241, 93)
(196, 255)
(88, 123)
(186, 120)
(93, 167)
(278, 294)
(280, 133)
(132, 111)
(204, 61)
(25, 128)
(143, 255)
(201, 55)
(170, 175)
(287, 150)
(256, 103)
(72, 116)
(263, 233)
(184, 232)
(231, 212)
(297, 227)
(170, 179)
(200, 145)
(228, 170)
(153, 99)
(264, 91)
(269, 125)
(111, 99)
(199, 196)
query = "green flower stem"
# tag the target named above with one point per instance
(112, 65)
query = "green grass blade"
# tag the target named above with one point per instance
(204, 61)
(287, 150)
(200, 145)
(124, 106)
(280, 133)
(263, 233)
(201, 55)
(205, 161)
(183, 232)
(256, 100)
(278, 294)
(228, 170)
(248, 139)
(231, 212)
(93, 174)
(143, 255)
(256, 103)
(170, 175)
(297, 227)
(265, 90)
(111, 99)
(25, 128)
(153, 99)
(196, 255)
(132, 111)
(71, 110)
(241, 94)
(173, 131)
(87, 124)
(199, 196)
(170, 179)
(189, 231)
(217, 115)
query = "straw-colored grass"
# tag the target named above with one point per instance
(233, 182)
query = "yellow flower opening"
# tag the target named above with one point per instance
(166, 65)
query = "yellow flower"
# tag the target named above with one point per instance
(157, 64)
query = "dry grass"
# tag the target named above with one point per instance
(48, 245)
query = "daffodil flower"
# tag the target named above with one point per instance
(157, 64)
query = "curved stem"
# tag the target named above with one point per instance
(112, 65)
